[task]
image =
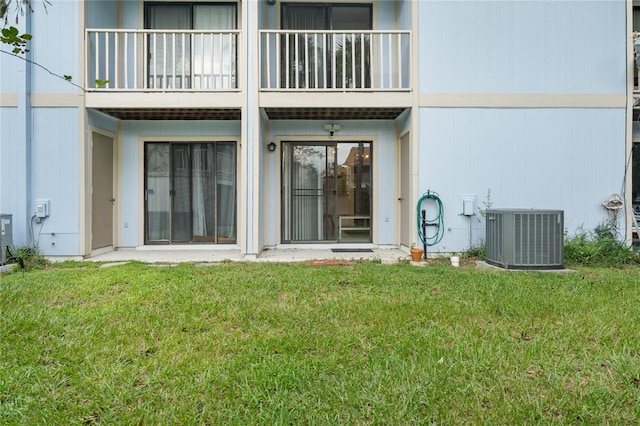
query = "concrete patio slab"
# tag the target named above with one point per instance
(213, 255)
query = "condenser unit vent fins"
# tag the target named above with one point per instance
(525, 239)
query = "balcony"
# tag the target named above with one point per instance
(335, 61)
(163, 74)
(147, 74)
(161, 60)
(343, 74)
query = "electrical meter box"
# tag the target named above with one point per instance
(6, 236)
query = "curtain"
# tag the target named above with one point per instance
(305, 203)
(157, 188)
(181, 205)
(214, 17)
(226, 191)
(302, 67)
(202, 190)
(214, 54)
(310, 214)
(304, 63)
(171, 53)
(305, 18)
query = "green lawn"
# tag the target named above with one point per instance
(272, 344)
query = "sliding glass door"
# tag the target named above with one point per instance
(326, 192)
(190, 192)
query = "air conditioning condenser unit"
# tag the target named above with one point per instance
(525, 239)
(6, 236)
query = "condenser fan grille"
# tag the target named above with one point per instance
(525, 239)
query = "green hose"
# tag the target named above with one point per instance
(437, 221)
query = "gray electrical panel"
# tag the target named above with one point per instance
(525, 239)
(6, 236)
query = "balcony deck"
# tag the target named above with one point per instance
(135, 74)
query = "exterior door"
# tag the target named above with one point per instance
(326, 192)
(102, 191)
(190, 193)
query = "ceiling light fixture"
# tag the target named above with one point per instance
(331, 128)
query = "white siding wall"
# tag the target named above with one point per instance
(103, 13)
(55, 176)
(133, 165)
(12, 71)
(14, 184)
(13, 197)
(522, 46)
(39, 146)
(55, 45)
(266, 177)
(568, 159)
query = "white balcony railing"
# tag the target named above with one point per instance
(161, 60)
(335, 60)
(636, 39)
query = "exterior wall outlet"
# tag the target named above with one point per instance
(467, 204)
(467, 207)
(41, 208)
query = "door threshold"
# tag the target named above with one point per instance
(101, 250)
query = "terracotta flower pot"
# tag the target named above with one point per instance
(416, 254)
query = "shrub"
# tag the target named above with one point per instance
(597, 249)
(476, 251)
(28, 257)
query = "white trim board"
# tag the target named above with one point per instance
(523, 100)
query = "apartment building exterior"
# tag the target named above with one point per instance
(248, 125)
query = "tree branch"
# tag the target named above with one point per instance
(62, 77)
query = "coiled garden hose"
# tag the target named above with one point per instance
(437, 221)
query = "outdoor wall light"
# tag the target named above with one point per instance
(271, 146)
(271, 2)
(331, 128)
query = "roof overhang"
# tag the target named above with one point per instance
(172, 113)
(292, 105)
(175, 105)
(333, 113)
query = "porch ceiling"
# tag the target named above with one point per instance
(333, 113)
(172, 113)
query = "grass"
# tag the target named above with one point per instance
(295, 344)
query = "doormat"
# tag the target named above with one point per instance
(351, 250)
